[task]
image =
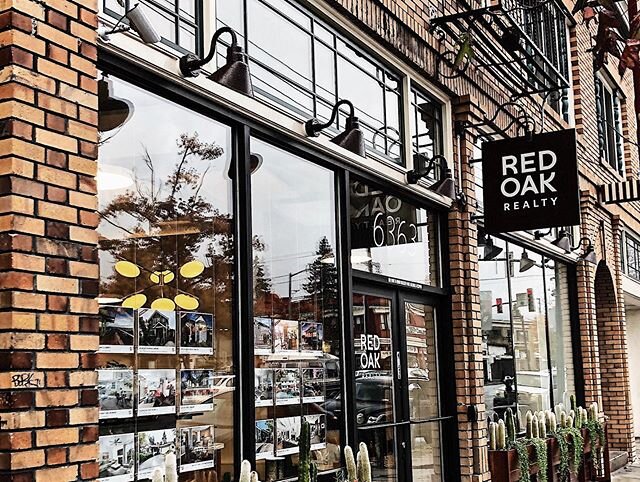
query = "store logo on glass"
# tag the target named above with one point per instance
(531, 182)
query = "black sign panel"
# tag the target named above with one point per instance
(531, 182)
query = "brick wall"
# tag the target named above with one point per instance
(48, 260)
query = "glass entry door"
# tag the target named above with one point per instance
(397, 403)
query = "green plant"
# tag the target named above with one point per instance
(523, 459)
(571, 446)
(510, 425)
(501, 443)
(540, 446)
(493, 436)
(304, 471)
(363, 463)
(598, 440)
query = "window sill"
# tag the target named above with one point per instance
(611, 170)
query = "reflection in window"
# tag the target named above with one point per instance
(166, 247)
(297, 322)
(392, 237)
(177, 21)
(426, 128)
(526, 330)
(631, 264)
(299, 63)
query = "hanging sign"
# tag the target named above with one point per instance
(531, 182)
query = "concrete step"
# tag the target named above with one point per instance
(619, 460)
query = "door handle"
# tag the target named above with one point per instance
(398, 367)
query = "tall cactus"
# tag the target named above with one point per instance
(572, 401)
(493, 436)
(529, 424)
(313, 472)
(534, 427)
(501, 443)
(364, 465)
(253, 477)
(542, 428)
(352, 473)
(245, 471)
(305, 453)
(510, 425)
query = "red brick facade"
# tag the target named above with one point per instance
(48, 260)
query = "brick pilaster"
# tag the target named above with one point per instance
(48, 257)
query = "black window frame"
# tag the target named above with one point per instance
(243, 129)
(389, 135)
(609, 119)
(631, 249)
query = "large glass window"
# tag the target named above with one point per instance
(393, 237)
(166, 378)
(426, 127)
(297, 326)
(301, 64)
(526, 328)
(177, 21)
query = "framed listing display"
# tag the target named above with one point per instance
(313, 385)
(156, 392)
(264, 387)
(318, 431)
(196, 391)
(156, 331)
(287, 386)
(264, 439)
(196, 333)
(311, 337)
(285, 336)
(152, 448)
(196, 448)
(288, 435)
(116, 329)
(117, 459)
(263, 336)
(115, 393)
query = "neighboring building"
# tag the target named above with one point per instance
(124, 179)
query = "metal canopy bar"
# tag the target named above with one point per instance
(523, 72)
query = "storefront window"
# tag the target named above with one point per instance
(426, 127)
(392, 237)
(526, 320)
(166, 379)
(297, 326)
(304, 66)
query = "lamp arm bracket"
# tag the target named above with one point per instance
(522, 119)
(190, 64)
(313, 127)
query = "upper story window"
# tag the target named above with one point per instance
(302, 65)
(609, 124)
(631, 259)
(426, 126)
(177, 21)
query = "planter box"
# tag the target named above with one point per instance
(504, 467)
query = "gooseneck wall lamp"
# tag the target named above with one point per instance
(562, 241)
(424, 166)
(138, 22)
(351, 138)
(233, 74)
(589, 254)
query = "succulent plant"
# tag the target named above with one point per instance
(350, 462)
(364, 465)
(245, 471)
(542, 428)
(529, 424)
(510, 426)
(493, 436)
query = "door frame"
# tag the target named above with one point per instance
(375, 285)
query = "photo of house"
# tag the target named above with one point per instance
(285, 335)
(313, 385)
(311, 336)
(196, 390)
(264, 387)
(196, 448)
(196, 333)
(115, 393)
(152, 448)
(116, 329)
(156, 331)
(287, 382)
(264, 439)
(117, 458)
(288, 435)
(318, 431)
(263, 336)
(156, 392)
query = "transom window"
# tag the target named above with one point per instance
(302, 65)
(177, 21)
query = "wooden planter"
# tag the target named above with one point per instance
(504, 467)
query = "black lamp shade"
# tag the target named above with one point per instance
(563, 242)
(445, 186)
(235, 73)
(491, 251)
(590, 256)
(526, 263)
(112, 112)
(352, 138)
